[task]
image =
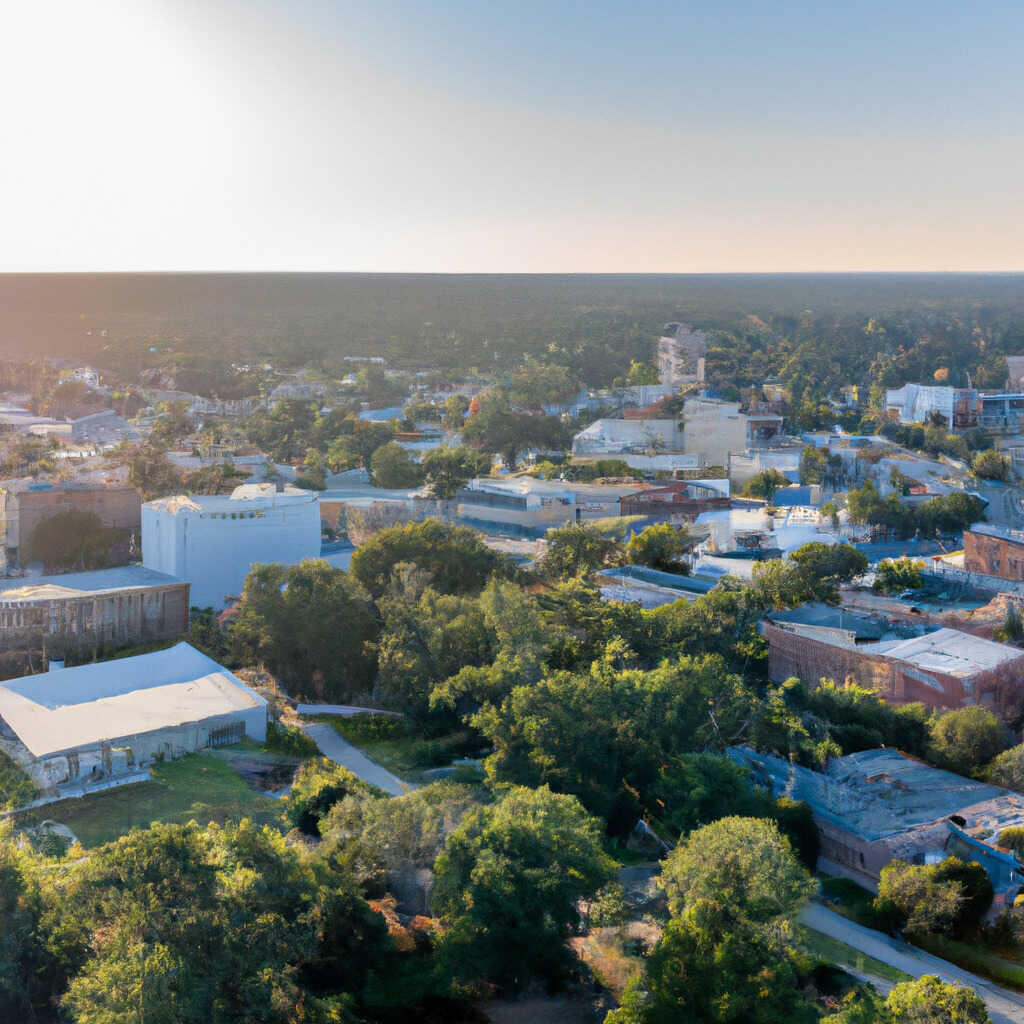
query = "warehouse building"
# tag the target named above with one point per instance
(131, 604)
(73, 726)
(213, 541)
(876, 806)
(994, 550)
(942, 669)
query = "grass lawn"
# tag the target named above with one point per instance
(396, 745)
(974, 957)
(835, 952)
(200, 786)
(851, 900)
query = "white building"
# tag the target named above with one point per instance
(681, 355)
(914, 403)
(75, 726)
(619, 437)
(212, 541)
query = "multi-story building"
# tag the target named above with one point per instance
(681, 355)
(212, 541)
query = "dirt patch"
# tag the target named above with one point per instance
(263, 773)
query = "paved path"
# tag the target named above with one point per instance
(339, 750)
(343, 710)
(1004, 1007)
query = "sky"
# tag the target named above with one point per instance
(526, 136)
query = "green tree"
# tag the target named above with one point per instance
(455, 409)
(966, 739)
(289, 620)
(931, 1001)
(151, 474)
(743, 863)
(72, 539)
(641, 373)
(824, 566)
(578, 548)
(392, 466)
(318, 785)
(711, 967)
(813, 465)
(765, 484)
(990, 465)
(898, 574)
(189, 925)
(1007, 769)
(507, 885)
(449, 469)
(661, 546)
(456, 557)
(496, 427)
(925, 901)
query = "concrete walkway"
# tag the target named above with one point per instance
(343, 710)
(1004, 1007)
(339, 750)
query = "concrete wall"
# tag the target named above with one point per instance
(713, 430)
(215, 554)
(138, 614)
(125, 754)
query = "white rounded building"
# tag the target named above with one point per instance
(212, 540)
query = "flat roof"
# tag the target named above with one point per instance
(997, 530)
(59, 711)
(949, 651)
(245, 497)
(875, 793)
(75, 584)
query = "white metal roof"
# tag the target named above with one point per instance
(58, 711)
(951, 652)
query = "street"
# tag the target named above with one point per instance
(1004, 1007)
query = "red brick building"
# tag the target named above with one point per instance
(942, 669)
(994, 551)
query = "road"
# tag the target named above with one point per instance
(342, 710)
(339, 750)
(1004, 1007)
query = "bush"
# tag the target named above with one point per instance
(286, 739)
(318, 785)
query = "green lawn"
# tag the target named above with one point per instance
(396, 745)
(835, 952)
(200, 786)
(974, 957)
(851, 900)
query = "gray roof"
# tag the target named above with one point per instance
(875, 793)
(70, 584)
(998, 530)
(829, 616)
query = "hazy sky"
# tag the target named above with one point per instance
(517, 136)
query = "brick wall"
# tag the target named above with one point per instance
(118, 508)
(993, 556)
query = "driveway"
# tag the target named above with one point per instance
(339, 750)
(1004, 1007)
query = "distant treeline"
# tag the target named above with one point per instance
(813, 330)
